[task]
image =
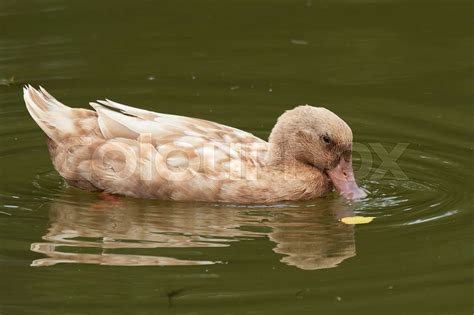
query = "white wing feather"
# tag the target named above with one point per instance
(211, 143)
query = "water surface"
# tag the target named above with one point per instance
(399, 72)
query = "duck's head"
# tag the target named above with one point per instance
(317, 137)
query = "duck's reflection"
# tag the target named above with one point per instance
(129, 232)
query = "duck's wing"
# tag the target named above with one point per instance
(209, 142)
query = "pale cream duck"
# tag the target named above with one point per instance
(128, 151)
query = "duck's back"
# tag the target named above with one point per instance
(124, 150)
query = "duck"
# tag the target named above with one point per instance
(122, 150)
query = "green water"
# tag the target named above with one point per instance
(396, 71)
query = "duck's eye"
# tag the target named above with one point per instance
(326, 139)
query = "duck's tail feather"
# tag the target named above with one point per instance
(53, 117)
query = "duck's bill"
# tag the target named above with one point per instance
(342, 177)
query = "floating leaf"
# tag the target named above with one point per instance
(357, 220)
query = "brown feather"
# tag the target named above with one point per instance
(124, 150)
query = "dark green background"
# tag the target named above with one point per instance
(396, 71)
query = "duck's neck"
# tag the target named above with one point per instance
(282, 148)
(278, 156)
(284, 154)
(286, 147)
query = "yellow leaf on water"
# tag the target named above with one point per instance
(357, 220)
